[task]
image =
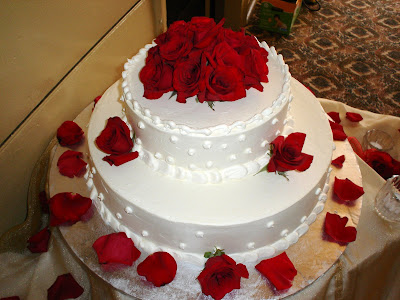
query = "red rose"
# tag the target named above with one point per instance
(200, 26)
(234, 38)
(116, 248)
(279, 270)
(335, 227)
(255, 70)
(120, 159)
(70, 164)
(335, 116)
(69, 133)
(347, 190)
(221, 275)
(225, 55)
(354, 117)
(178, 27)
(115, 137)
(68, 208)
(381, 162)
(287, 155)
(39, 242)
(158, 268)
(207, 37)
(177, 46)
(187, 75)
(338, 162)
(156, 77)
(224, 83)
(337, 131)
(65, 287)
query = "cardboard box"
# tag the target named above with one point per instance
(279, 15)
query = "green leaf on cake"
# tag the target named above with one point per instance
(217, 252)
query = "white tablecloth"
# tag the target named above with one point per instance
(368, 269)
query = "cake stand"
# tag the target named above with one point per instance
(312, 255)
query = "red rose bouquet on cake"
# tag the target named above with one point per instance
(202, 58)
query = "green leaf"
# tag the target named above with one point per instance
(284, 175)
(211, 104)
(173, 94)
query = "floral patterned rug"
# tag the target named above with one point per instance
(348, 51)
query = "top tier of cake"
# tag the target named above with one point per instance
(191, 141)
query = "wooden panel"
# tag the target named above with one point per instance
(91, 77)
(40, 42)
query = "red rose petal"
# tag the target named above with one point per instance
(116, 248)
(279, 270)
(97, 99)
(221, 275)
(356, 145)
(383, 163)
(115, 138)
(69, 133)
(70, 164)
(65, 287)
(68, 208)
(39, 242)
(118, 160)
(338, 132)
(338, 162)
(334, 116)
(354, 117)
(346, 190)
(335, 227)
(158, 268)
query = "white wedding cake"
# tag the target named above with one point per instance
(199, 181)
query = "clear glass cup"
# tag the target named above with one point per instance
(377, 139)
(387, 201)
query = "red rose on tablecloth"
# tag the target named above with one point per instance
(224, 83)
(68, 208)
(159, 268)
(286, 154)
(347, 190)
(187, 76)
(383, 163)
(354, 117)
(338, 162)
(221, 275)
(69, 133)
(120, 159)
(65, 287)
(115, 137)
(335, 227)
(156, 77)
(337, 131)
(334, 116)
(39, 242)
(70, 164)
(116, 248)
(279, 270)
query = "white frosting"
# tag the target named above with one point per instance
(253, 218)
(193, 142)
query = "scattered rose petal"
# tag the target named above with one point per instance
(120, 159)
(279, 270)
(39, 242)
(338, 132)
(115, 137)
(356, 145)
(354, 117)
(65, 287)
(116, 248)
(334, 116)
(68, 208)
(221, 275)
(346, 190)
(335, 227)
(338, 162)
(97, 99)
(69, 133)
(71, 164)
(44, 202)
(158, 268)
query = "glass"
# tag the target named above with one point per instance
(387, 201)
(377, 139)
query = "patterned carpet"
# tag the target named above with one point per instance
(348, 51)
